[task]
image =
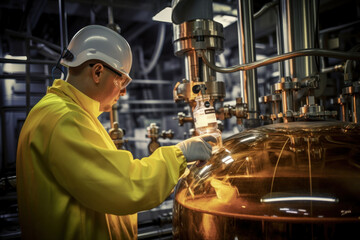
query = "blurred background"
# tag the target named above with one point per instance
(34, 32)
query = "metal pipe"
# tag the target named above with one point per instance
(287, 102)
(279, 43)
(298, 32)
(2, 118)
(355, 108)
(149, 81)
(336, 68)
(149, 101)
(283, 57)
(343, 113)
(340, 27)
(114, 110)
(110, 13)
(264, 8)
(248, 80)
(27, 96)
(36, 39)
(63, 25)
(136, 32)
(22, 76)
(18, 61)
(152, 110)
(286, 36)
(155, 233)
(158, 48)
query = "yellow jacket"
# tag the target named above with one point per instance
(73, 183)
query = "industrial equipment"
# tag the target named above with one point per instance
(116, 133)
(282, 181)
(296, 176)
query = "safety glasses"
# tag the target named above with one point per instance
(120, 81)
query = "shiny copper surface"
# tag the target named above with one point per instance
(282, 181)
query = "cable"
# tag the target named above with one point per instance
(57, 64)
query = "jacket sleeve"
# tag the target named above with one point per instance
(110, 180)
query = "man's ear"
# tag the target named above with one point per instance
(96, 72)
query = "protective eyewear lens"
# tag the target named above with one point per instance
(120, 81)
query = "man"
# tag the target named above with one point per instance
(72, 182)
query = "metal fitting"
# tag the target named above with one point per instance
(240, 110)
(117, 134)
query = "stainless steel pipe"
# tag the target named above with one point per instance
(283, 57)
(248, 79)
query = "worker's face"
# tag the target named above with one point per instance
(111, 86)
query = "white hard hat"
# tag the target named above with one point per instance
(99, 43)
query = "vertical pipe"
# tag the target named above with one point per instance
(287, 38)
(208, 73)
(63, 25)
(355, 108)
(114, 115)
(298, 20)
(343, 112)
(346, 112)
(110, 13)
(3, 132)
(279, 42)
(192, 71)
(287, 46)
(113, 111)
(27, 69)
(2, 117)
(195, 70)
(248, 80)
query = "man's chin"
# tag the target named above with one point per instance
(106, 109)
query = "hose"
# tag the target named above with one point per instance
(157, 51)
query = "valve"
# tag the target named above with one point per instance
(153, 134)
(182, 118)
(117, 134)
(239, 111)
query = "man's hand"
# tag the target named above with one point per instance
(197, 148)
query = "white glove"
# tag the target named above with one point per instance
(197, 148)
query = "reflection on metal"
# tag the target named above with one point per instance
(117, 134)
(294, 16)
(248, 79)
(182, 118)
(287, 87)
(353, 99)
(183, 91)
(239, 110)
(283, 57)
(280, 181)
(300, 198)
(189, 37)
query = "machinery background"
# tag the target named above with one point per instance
(33, 33)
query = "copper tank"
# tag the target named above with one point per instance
(283, 181)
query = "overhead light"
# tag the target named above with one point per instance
(14, 67)
(163, 16)
(225, 20)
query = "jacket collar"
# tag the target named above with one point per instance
(88, 104)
